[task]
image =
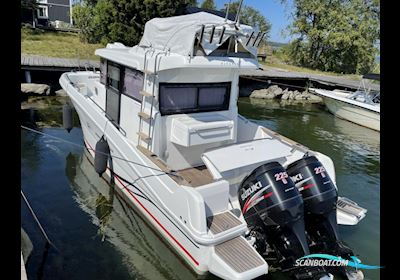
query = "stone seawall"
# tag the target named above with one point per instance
(275, 92)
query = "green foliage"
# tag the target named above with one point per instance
(250, 16)
(55, 44)
(121, 20)
(335, 35)
(193, 3)
(28, 4)
(208, 4)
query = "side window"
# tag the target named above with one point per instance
(113, 91)
(113, 76)
(178, 99)
(213, 97)
(103, 71)
(133, 84)
(112, 105)
(193, 98)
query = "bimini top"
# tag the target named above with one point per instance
(178, 34)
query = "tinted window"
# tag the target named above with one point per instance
(112, 105)
(103, 71)
(212, 97)
(113, 75)
(133, 84)
(192, 98)
(178, 99)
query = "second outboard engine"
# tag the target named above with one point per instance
(320, 198)
(273, 209)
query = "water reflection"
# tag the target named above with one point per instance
(102, 237)
(146, 256)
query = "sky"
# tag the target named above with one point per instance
(274, 11)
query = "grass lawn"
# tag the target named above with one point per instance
(68, 45)
(56, 44)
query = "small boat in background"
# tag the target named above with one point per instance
(361, 107)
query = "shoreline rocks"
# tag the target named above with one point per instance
(275, 92)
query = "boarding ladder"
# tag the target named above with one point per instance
(144, 115)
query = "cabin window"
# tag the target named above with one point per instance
(112, 104)
(113, 76)
(103, 71)
(133, 84)
(212, 97)
(193, 98)
(113, 91)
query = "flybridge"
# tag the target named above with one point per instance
(201, 34)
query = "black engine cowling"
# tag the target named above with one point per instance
(269, 194)
(320, 198)
(319, 195)
(273, 208)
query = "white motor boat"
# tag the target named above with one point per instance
(161, 121)
(361, 107)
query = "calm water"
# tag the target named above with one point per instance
(99, 236)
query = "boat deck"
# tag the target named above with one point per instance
(239, 254)
(222, 222)
(192, 177)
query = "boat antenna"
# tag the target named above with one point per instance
(227, 11)
(238, 13)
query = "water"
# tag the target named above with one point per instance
(100, 237)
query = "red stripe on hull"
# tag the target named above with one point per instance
(151, 215)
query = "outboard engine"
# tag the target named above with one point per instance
(320, 198)
(273, 209)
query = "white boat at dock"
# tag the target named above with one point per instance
(361, 107)
(221, 190)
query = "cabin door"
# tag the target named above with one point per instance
(113, 92)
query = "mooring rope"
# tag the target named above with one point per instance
(99, 152)
(274, 83)
(37, 220)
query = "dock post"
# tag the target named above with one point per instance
(28, 76)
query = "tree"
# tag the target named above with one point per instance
(28, 4)
(28, 7)
(335, 35)
(121, 20)
(250, 16)
(193, 3)
(208, 4)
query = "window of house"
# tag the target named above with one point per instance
(42, 12)
(192, 98)
(103, 71)
(133, 84)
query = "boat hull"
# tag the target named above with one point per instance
(353, 113)
(154, 194)
(94, 125)
(187, 249)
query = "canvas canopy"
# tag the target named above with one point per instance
(177, 34)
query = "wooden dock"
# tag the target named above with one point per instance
(331, 81)
(44, 63)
